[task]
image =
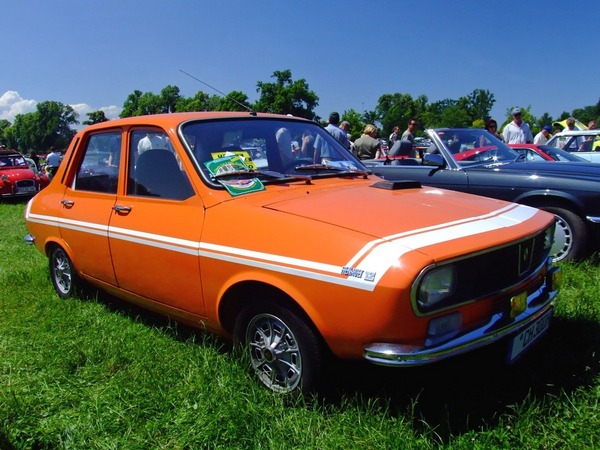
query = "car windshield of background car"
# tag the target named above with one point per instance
(471, 147)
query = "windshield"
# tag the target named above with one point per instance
(579, 142)
(12, 160)
(265, 148)
(471, 146)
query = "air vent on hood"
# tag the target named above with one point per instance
(395, 185)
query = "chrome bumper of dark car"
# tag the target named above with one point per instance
(538, 304)
(593, 219)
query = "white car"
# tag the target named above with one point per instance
(584, 143)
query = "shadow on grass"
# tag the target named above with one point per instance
(473, 390)
(448, 398)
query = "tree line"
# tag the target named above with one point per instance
(51, 125)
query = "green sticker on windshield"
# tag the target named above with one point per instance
(237, 184)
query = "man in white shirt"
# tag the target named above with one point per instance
(517, 131)
(543, 136)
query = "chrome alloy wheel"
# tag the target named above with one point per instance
(62, 272)
(274, 353)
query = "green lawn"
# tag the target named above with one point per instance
(98, 373)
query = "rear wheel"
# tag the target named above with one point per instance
(570, 235)
(64, 277)
(285, 353)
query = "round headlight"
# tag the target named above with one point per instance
(436, 286)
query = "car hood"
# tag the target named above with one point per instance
(386, 214)
(17, 173)
(556, 168)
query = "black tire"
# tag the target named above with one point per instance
(63, 274)
(286, 355)
(571, 235)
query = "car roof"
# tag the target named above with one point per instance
(9, 153)
(577, 132)
(172, 120)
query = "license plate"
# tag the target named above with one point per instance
(528, 336)
(25, 190)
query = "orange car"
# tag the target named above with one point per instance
(217, 220)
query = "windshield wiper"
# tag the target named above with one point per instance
(249, 173)
(337, 169)
(272, 175)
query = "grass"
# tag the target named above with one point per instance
(101, 374)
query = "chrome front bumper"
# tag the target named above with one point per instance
(538, 303)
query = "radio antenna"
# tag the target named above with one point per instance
(250, 110)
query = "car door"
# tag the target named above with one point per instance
(86, 206)
(155, 230)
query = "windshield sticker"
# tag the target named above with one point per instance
(230, 165)
(243, 154)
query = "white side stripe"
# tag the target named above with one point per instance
(376, 257)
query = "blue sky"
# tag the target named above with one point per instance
(92, 54)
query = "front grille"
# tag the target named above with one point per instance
(25, 183)
(482, 275)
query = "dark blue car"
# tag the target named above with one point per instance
(474, 161)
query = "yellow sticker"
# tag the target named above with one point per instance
(246, 158)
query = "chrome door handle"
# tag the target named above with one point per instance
(122, 209)
(67, 203)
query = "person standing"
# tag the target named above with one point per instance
(543, 136)
(571, 125)
(322, 152)
(409, 133)
(368, 146)
(394, 136)
(492, 127)
(517, 131)
(52, 162)
(334, 129)
(36, 159)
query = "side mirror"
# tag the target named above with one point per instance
(435, 160)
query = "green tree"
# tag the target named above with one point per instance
(586, 113)
(54, 120)
(455, 117)
(357, 125)
(479, 103)
(286, 96)
(95, 117)
(398, 109)
(150, 103)
(4, 125)
(234, 101)
(169, 96)
(131, 106)
(49, 126)
(201, 101)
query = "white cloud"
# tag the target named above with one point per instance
(111, 112)
(11, 104)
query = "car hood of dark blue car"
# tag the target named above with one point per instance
(556, 168)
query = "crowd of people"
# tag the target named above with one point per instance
(369, 146)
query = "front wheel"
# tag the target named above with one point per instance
(285, 353)
(64, 277)
(570, 235)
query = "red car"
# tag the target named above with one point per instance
(16, 177)
(534, 152)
